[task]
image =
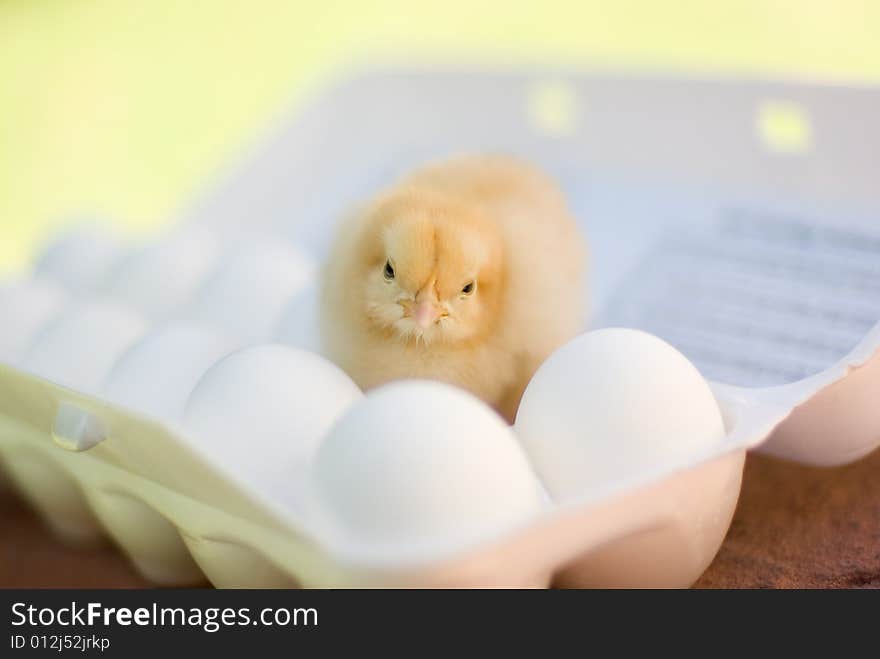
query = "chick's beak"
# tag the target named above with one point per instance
(425, 314)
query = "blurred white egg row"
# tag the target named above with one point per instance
(182, 330)
(254, 288)
(27, 306)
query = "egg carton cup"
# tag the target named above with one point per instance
(140, 389)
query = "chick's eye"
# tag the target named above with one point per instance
(468, 288)
(389, 271)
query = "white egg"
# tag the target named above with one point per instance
(610, 404)
(26, 306)
(423, 464)
(261, 412)
(80, 347)
(165, 275)
(159, 372)
(246, 294)
(80, 259)
(300, 325)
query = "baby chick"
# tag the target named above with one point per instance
(469, 271)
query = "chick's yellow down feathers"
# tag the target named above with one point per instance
(470, 271)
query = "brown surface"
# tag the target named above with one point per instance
(31, 558)
(794, 527)
(801, 527)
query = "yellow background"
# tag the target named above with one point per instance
(125, 108)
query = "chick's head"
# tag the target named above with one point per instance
(432, 271)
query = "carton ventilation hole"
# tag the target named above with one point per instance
(552, 108)
(784, 127)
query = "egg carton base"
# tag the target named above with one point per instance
(175, 541)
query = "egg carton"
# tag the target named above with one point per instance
(170, 395)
